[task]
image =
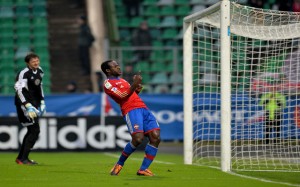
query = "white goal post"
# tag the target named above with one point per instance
(241, 83)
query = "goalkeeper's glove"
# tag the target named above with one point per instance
(31, 111)
(42, 108)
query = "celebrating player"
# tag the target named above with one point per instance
(140, 121)
(29, 97)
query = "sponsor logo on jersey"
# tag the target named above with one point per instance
(136, 126)
(107, 85)
(114, 89)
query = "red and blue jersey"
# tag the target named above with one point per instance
(119, 89)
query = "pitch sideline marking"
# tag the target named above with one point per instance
(137, 159)
(262, 179)
(254, 178)
(231, 173)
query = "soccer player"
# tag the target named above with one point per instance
(29, 97)
(140, 121)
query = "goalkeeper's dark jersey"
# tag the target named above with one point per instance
(28, 87)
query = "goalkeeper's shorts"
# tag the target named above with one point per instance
(141, 120)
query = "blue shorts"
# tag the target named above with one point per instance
(141, 120)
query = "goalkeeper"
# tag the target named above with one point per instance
(274, 103)
(28, 99)
(140, 121)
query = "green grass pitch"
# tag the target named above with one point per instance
(92, 169)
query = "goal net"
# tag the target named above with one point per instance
(256, 89)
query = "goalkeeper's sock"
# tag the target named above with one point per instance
(129, 148)
(150, 153)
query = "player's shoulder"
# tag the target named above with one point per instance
(24, 72)
(108, 84)
(123, 80)
(40, 69)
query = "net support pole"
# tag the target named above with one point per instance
(225, 87)
(188, 92)
(188, 79)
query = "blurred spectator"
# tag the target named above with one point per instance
(100, 79)
(285, 5)
(256, 3)
(132, 7)
(71, 87)
(296, 6)
(128, 73)
(85, 41)
(88, 90)
(291, 66)
(142, 38)
(77, 3)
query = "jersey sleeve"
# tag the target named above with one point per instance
(21, 87)
(41, 85)
(42, 91)
(111, 89)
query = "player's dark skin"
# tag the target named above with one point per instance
(137, 138)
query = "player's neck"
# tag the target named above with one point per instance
(113, 77)
(32, 68)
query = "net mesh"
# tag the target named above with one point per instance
(265, 80)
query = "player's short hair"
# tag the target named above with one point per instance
(29, 56)
(105, 66)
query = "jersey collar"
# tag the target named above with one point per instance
(117, 78)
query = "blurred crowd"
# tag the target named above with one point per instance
(282, 5)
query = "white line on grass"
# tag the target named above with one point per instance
(254, 178)
(138, 159)
(264, 180)
(239, 175)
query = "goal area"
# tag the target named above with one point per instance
(241, 83)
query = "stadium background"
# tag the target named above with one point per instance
(49, 28)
